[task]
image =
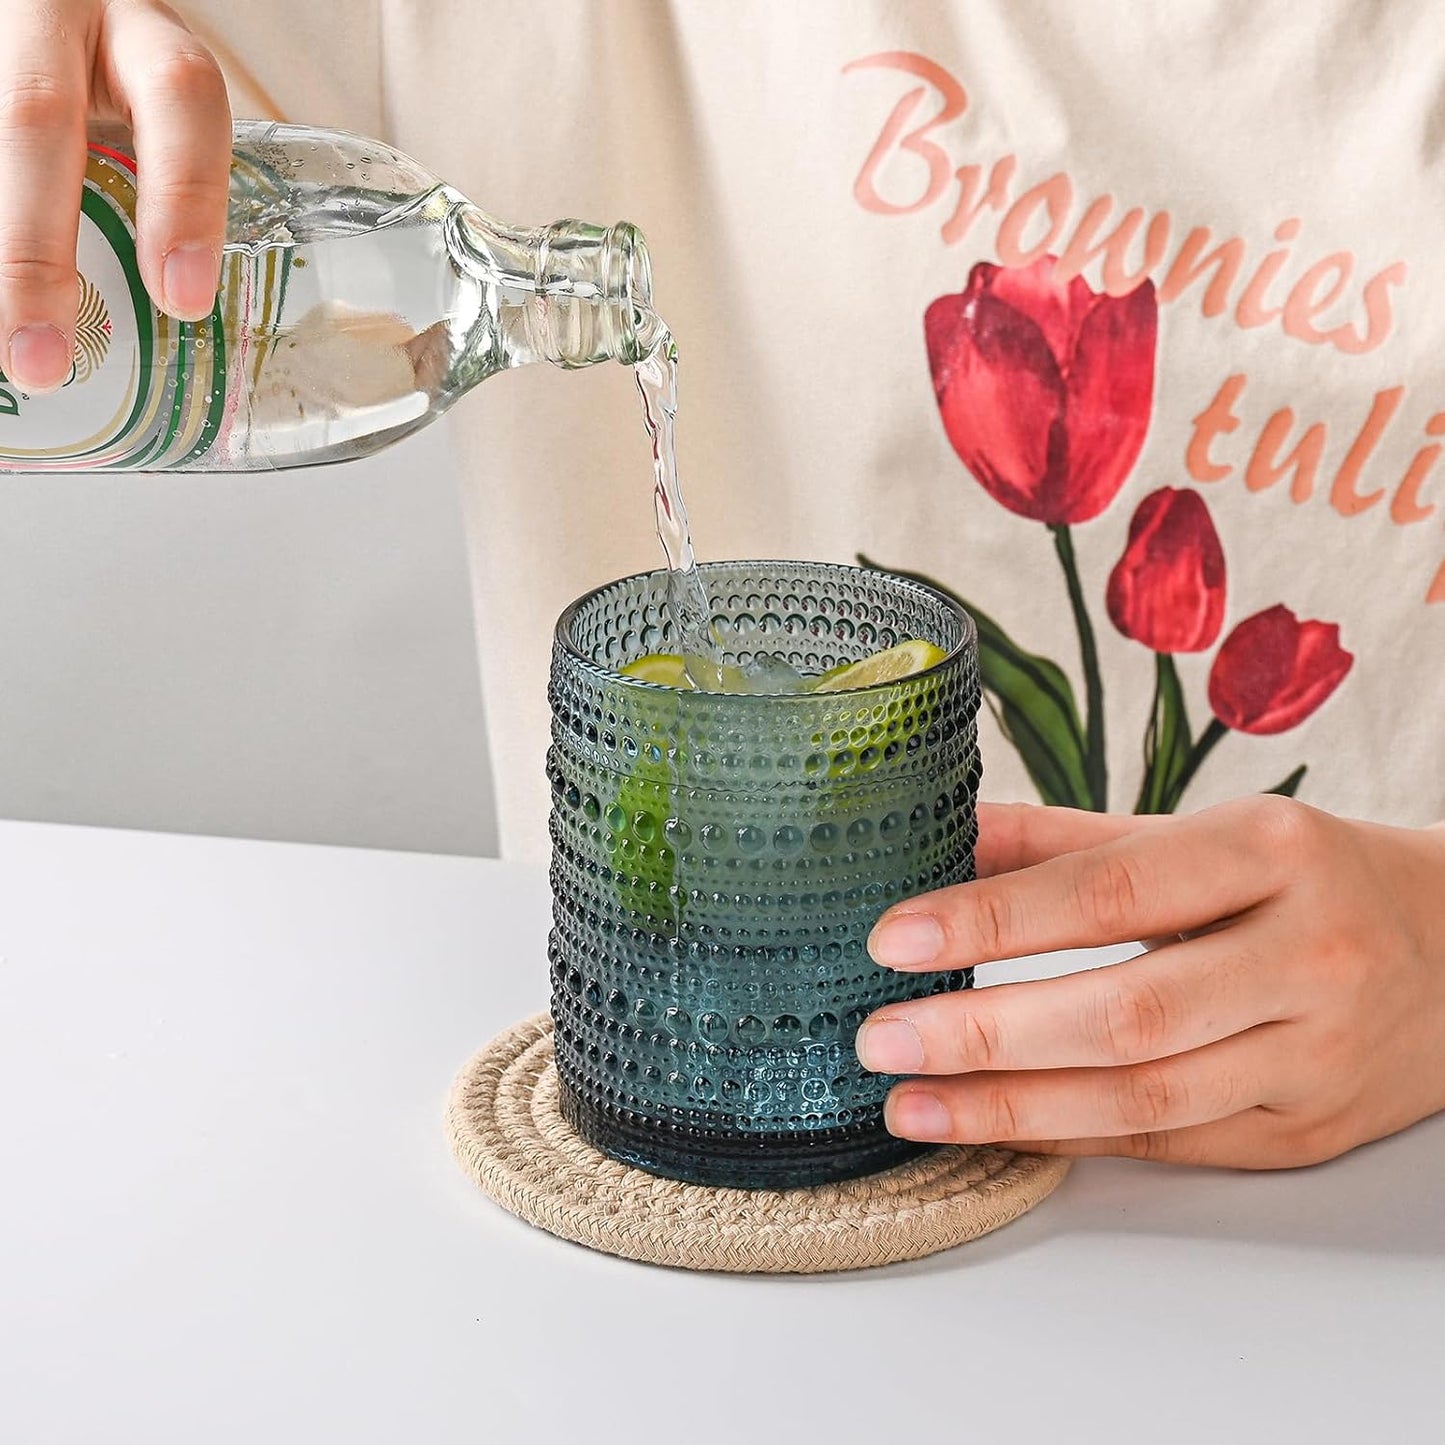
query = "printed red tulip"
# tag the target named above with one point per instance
(1044, 389)
(1167, 590)
(1274, 671)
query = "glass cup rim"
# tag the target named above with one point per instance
(966, 646)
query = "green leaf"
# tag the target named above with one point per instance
(1037, 713)
(1290, 786)
(1033, 702)
(1167, 742)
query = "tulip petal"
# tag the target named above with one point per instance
(999, 394)
(1058, 311)
(1167, 590)
(1109, 382)
(1321, 665)
(1273, 671)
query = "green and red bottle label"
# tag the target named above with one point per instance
(145, 391)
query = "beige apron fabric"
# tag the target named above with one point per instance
(736, 137)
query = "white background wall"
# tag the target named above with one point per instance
(285, 655)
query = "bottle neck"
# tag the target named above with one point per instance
(569, 293)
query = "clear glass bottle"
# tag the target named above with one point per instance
(360, 296)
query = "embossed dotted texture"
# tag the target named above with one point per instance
(719, 860)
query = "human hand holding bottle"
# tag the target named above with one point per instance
(1292, 1007)
(63, 65)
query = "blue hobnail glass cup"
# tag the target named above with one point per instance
(718, 861)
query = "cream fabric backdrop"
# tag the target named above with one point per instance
(733, 137)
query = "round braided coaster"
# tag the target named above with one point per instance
(507, 1133)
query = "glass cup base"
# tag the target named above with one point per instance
(732, 1159)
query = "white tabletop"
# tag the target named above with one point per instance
(228, 1214)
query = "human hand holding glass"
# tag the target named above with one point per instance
(1297, 1011)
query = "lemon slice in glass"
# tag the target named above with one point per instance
(666, 669)
(893, 663)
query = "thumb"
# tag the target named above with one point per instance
(1018, 835)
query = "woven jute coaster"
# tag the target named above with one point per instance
(508, 1134)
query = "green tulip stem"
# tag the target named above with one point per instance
(1157, 785)
(1208, 740)
(1095, 763)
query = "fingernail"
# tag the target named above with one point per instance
(889, 1046)
(188, 281)
(917, 1114)
(907, 940)
(40, 357)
